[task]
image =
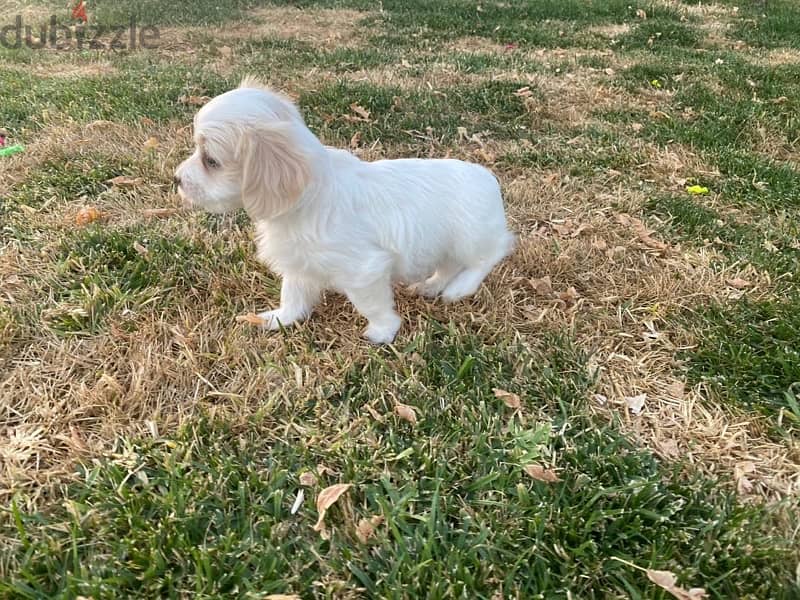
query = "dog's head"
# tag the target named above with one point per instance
(252, 150)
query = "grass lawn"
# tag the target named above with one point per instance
(620, 399)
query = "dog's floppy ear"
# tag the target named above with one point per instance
(275, 170)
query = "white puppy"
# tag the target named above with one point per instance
(325, 219)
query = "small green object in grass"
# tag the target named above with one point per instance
(11, 150)
(697, 190)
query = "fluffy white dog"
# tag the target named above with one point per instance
(325, 219)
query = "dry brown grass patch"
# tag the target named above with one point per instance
(322, 27)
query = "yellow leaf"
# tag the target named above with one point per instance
(406, 412)
(697, 190)
(150, 144)
(326, 499)
(668, 581)
(511, 400)
(539, 473)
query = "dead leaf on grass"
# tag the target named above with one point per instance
(355, 140)
(668, 581)
(738, 283)
(250, 318)
(523, 92)
(140, 249)
(406, 412)
(539, 473)
(543, 286)
(636, 403)
(366, 528)
(159, 212)
(282, 597)
(88, 214)
(194, 100)
(743, 485)
(359, 110)
(125, 181)
(328, 498)
(151, 143)
(511, 400)
(569, 297)
(308, 479)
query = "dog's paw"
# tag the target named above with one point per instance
(383, 333)
(274, 319)
(425, 289)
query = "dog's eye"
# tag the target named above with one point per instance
(210, 163)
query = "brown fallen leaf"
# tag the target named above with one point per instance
(406, 412)
(308, 479)
(355, 140)
(125, 181)
(88, 214)
(641, 230)
(151, 143)
(326, 499)
(539, 473)
(250, 318)
(160, 212)
(543, 286)
(740, 471)
(193, 100)
(362, 112)
(563, 229)
(569, 297)
(366, 528)
(650, 241)
(282, 597)
(511, 400)
(738, 283)
(524, 92)
(140, 249)
(668, 581)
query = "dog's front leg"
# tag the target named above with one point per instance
(376, 303)
(298, 299)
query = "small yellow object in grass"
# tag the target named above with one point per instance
(656, 83)
(697, 190)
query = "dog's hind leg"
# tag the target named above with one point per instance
(469, 279)
(435, 285)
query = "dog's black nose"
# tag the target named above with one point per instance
(176, 180)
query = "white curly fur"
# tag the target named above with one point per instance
(325, 219)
